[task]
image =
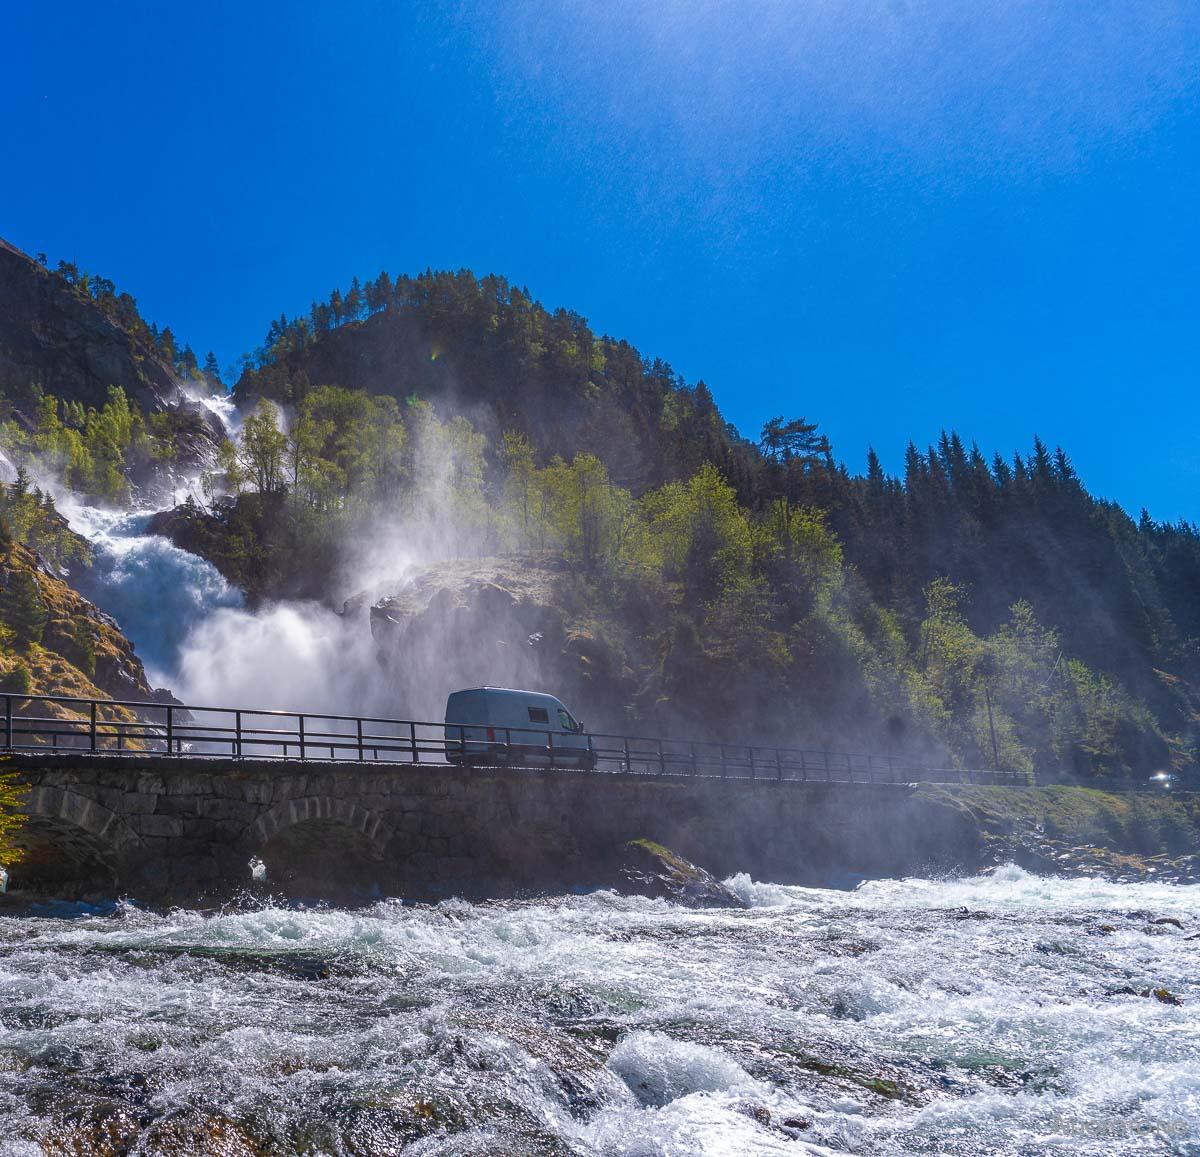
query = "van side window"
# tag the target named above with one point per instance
(538, 715)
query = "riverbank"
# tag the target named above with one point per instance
(1122, 836)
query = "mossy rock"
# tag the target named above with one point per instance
(649, 869)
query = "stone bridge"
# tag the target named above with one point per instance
(172, 828)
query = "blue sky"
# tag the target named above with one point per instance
(888, 217)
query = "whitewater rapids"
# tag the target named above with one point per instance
(999, 1014)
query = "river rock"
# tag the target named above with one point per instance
(649, 869)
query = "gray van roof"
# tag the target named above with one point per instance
(510, 690)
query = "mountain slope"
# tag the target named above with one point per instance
(74, 337)
(484, 348)
(54, 336)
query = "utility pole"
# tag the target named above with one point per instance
(987, 669)
(987, 695)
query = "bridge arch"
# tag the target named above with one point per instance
(325, 809)
(321, 845)
(70, 842)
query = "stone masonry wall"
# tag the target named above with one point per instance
(161, 827)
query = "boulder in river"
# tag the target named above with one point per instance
(649, 869)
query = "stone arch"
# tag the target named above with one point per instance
(72, 843)
(323, 847)
(324, 809)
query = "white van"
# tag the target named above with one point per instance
(524, 728)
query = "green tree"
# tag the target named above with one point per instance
(262, 451)
(12, 818)
(795, 440)
(697, 533)
(23, 608)
(212, 371)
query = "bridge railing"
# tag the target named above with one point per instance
(129, 727)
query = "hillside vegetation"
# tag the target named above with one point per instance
(980, 610)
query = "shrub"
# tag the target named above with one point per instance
(17, 680)
(11, 818)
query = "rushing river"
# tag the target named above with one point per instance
(1003, 1014)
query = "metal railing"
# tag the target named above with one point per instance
(41, 723)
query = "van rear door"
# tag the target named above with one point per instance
(464, 709)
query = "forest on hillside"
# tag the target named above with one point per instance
(985, 610)
(785, 587)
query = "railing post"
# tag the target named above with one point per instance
(170, 727)
(803, 766)
(358, 732)
(8, 722)
(550, 744)
(625, 744)
(723, 768)
(300, 729)
(693, 749)
(237, 734)
(753, 773)
(412, 739)
(92, 725)
(662, 759)
(591, 752)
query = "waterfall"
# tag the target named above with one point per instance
(157, 592)
(197, 639)
(192, 631)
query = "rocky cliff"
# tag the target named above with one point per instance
(504, 622)
(54, 336)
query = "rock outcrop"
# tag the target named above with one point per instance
(498, 622)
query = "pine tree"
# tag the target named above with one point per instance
(212, 371)
(23, 608)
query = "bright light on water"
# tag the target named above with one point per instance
(1001, 1014)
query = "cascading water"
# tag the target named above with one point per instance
(158, 593)
(999, 1014)
(195, 637)
(192, 632)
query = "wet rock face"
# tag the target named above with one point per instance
(492, 622)
(649, 869)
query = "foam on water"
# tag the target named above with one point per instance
(158, 593)
(885, 1020)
